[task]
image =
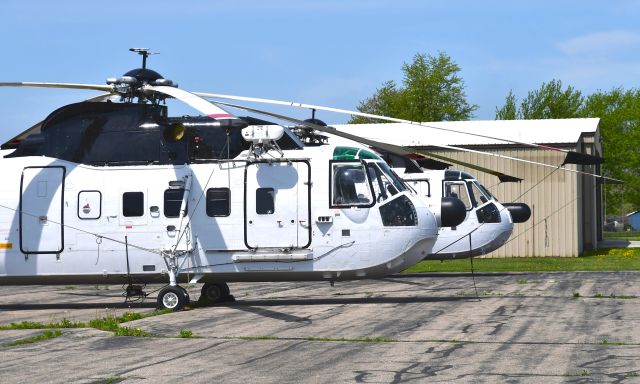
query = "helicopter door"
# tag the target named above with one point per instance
(277, 212)
(41, 197)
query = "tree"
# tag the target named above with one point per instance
(619, 113)
(509, 111)
(431, 91)
(550, 101)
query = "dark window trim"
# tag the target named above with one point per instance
(164, 203)
(341, 206)
(124, 193)
(100, 206)
(444, 191)
(228, 191)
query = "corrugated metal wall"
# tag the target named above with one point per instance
(555, 227)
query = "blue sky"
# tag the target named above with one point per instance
(331, 52)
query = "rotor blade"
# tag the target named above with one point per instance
(96, 87)
(15, 141)
(412, 152)
(503, 177)
(572, 156)
(375, 144)
(197, 102)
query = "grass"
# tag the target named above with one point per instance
(65, 323)
(186, 334)
(112, 324)
(611, 259)
(108, 323)
(34, 339)
(626, 235)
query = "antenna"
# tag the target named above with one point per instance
(144, 52)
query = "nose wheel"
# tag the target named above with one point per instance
(173, 298)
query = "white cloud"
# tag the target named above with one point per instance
(601, 42)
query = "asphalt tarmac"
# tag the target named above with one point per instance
(522, 328)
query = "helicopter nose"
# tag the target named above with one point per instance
(520, 212)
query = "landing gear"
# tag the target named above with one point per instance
(173, 297)
(213, 293)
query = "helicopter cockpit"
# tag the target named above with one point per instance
(360, 178)
(466, 188)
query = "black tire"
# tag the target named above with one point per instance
(172, 297)
(212, 293)
(186, 295)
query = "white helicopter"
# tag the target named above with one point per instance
(120, 192)
(488, 224)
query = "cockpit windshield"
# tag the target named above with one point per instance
(485, 191)
(477, 197)
(385, 182)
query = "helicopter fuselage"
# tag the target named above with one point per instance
(289, 214)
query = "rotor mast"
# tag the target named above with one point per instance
(144, 52)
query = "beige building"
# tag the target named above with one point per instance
(566, 206)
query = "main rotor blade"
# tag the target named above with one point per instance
(95, 87)
(193, 100)
(403, 151)
(572, 156)
(373, 143)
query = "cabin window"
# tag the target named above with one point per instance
(458, 190)
(218, 202)
(173, 202)
(265, 201)
(132, 204)
(89, 205)
(350, 186)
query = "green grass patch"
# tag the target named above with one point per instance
(112, 324)
(65, 323)
(34, 339)
(257, 338)
(626, 235)
(186, 334)
(611, 259)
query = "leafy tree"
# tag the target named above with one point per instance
(509, 111)
(550, 101)
(619, 113)
(431, 91)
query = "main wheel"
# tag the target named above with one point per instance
(186, 295)
(172, 297)
(214, 292)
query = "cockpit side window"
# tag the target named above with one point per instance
(350, 185)
(459, 190)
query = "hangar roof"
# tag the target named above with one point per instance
(529, 131)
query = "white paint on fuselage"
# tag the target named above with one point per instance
(353, 244)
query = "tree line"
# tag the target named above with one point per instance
(433, 90)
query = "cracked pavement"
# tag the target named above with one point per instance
(574, 327)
